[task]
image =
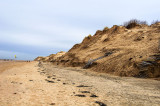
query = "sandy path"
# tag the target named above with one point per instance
(24, 86)
(4, 65)
(30, 85)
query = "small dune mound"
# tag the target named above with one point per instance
(40, 58)
(121, 50)
(54, 57)
(50, 58)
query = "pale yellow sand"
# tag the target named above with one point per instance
(26, 84)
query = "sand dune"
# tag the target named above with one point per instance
(134, 52)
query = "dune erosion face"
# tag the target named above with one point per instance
(135, 52)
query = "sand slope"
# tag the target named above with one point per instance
(134, 52)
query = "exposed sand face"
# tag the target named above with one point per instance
(30, 85)
(130, 50)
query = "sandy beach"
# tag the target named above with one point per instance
(30, 83)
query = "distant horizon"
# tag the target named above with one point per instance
(16, 59)
(35, 28)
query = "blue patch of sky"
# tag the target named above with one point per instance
(41, 27)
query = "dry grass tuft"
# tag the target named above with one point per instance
(133, 23)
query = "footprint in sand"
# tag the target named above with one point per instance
(100, 103)
(85, 92)
(49, 76)
(64, 83)
(54, 75)
(49, 81)
(52, 104)
(42, 72)
(79, 95)
(93, 96)
(83, 86)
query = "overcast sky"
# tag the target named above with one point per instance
(31, 28)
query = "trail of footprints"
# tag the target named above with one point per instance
(82, 93)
